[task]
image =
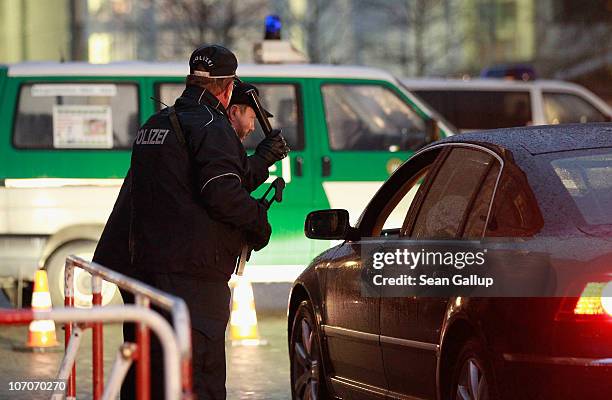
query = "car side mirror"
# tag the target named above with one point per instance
(328, 225)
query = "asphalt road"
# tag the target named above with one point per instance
(253, 372)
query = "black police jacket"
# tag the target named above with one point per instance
(186, 209)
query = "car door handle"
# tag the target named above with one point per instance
(325, 166)
(299, 166)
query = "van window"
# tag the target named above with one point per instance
(279, 98)
(476, 110)
(167, 93)
(281, 101)
(76, 116)
(563, 108)
(370, 118)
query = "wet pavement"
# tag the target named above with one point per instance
(260, 372)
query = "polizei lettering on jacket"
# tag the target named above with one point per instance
(151, 136)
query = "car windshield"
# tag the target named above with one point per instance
(588, 180)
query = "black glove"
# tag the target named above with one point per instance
(259, 240)
(273, 148)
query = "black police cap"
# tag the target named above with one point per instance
(213, 61)
(240, 95)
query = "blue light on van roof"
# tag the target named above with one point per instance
(273, 27)
(517, 71)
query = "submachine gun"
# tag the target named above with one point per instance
(278, 184)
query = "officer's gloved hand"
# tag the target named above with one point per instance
(260, 239)
(273, 148)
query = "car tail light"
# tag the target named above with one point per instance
(594, 303)
(606, 298)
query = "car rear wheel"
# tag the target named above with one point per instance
(307, 380)
(472, 375)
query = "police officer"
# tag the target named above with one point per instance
(241, 111)
(186, 197)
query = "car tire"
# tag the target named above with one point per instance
(307, 378)
(472, 377)
(55, 272)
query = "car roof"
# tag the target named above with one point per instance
(484, 84)
(543, 138)
(143, 68)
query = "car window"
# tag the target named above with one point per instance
(479, 109)
(477, 219)
(401, 202)
(370, 118)
(282, 100)
(448, 199)
(76, 116)
(515, 211)
(391, 204)
(563, 108)
(588, 180)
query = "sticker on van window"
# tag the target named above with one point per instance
(82, 126)
(42, 90)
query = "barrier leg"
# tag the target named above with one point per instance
(143, 362)
(70, 355)
(69, 302)
(187, 373)
(122, 363)
(97, 341)
(186, 362)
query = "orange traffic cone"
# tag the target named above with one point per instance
(243, 320)
(41, 334)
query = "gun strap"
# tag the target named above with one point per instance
(176, 125)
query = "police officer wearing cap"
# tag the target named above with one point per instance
(187, 200)
(241, 111)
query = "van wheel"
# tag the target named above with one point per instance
(82, 279)
(472, 377)
(307, 380)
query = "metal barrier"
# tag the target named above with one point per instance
(129, 313)
(140, 351)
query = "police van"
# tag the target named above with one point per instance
(489, 103)
(68, 128)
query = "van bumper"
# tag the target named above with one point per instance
(20, 255)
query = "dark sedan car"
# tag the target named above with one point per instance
(523, 183)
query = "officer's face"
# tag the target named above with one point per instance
(242, 121)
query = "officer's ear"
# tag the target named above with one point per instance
(231, 111)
